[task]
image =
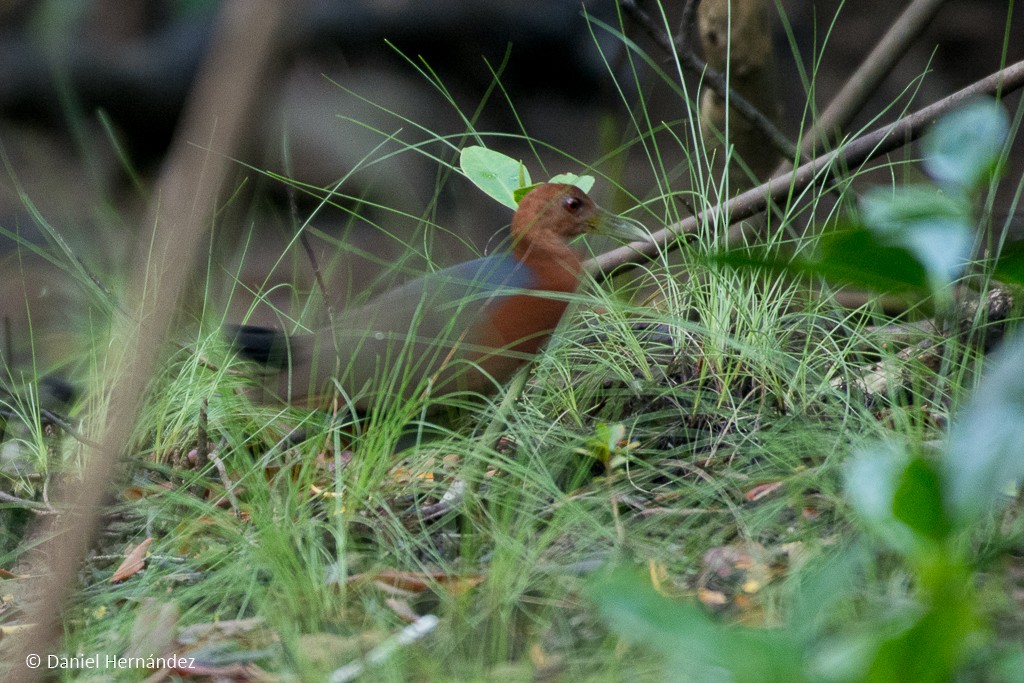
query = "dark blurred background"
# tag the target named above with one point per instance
(91, 90)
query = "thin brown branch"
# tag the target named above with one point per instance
(225, 480)
(47, 417)
(53, 418)
(688, 23)
(307, 246)
(203, 436)
(876, 66)
(848, 156)
(696, 66)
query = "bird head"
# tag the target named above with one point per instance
(557, 211)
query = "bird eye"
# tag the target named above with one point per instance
(572, 204)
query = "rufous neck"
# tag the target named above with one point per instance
(554, 260)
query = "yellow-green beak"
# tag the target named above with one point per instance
(613, 225)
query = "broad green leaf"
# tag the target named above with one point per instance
(901, 498)
(696, 648)
(851, 255)
(823, 586)
(986, 440)
(933, 226)
(584, 182)
(859, 256)
(872, 479)
(1010, 264)
(962, 149)
(931, 650)
(917, 500)
(893, 212)
(498, 175)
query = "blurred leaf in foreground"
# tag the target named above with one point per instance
(986, 440)
(695, 647)
(962, 149)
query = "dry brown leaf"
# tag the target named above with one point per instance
(133, 563)
(762, 491)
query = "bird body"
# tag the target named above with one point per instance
(465, 328)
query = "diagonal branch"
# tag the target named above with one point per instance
(872, 71)
(850, 155)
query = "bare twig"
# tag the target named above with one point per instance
(850, 155)
(715, 80)
(687, 23)
(225, 480)
(55, 419)
(451, 500)
(380, 654)
(875, 67)
(307, 246)
(48, 417)
(203, 436)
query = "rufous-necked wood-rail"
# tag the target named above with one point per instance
(466, 328)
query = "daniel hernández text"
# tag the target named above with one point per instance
(98, 661)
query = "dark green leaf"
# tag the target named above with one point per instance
(917, 500)
(521, 192)
(851, 256)
(892, 212)
(1010, 264)
(860, 257)
(935, 644)
(584, 182)
(872, 477)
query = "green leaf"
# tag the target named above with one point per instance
(859, 256)
(756, 258)
(934, 227)
(872, 479)
(1010, 264)
(522, 192)
(894, 212)
(584, 182)
(917, 500)
(963, 148)
(498, 175)
(930, 651)
(824, 585)
(695, 647)
(847, 256)
(608, 445)
(901, 498)
(986, 440)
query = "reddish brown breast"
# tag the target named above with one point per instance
(525, 322)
